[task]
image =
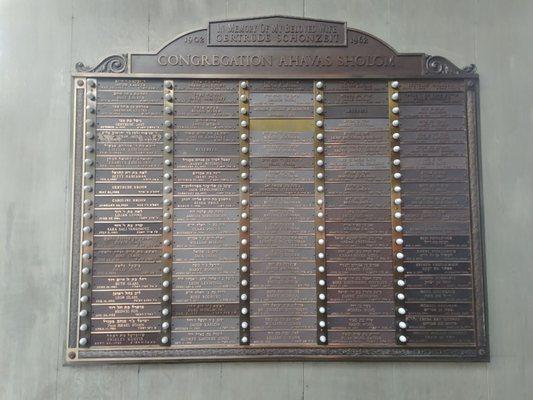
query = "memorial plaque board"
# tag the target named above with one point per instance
(276, 188)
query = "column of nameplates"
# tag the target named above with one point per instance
(320, 233)
(166, 272)
(396, 209)
(84, 323)
(244, 236)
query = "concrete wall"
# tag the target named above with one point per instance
(40, 41)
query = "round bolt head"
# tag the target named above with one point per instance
(168, 162)
(319, 97)
(166, 242)
(401, 282)
(320, 136)
(395, 110)
(244, 163)
(165, 325)
(164, 339)
(321, 269)
(401, 311)
(84, 299)
(323, 339)
(322, 324)
(165, 311)
(244, 268)
(398, 228)
(244, 228)
(397, 189)
(395, 84)
(319, 110)
(166, 229)
(168, 97)
(244, 297)
(244, 175)
(396, 135)
(244, 123)
(85, 270)
(88, 202)
(320, 214)
(321, 241)
(88, 188)
(86, 243)
(322, 296)
(244, 136)
(85, 285)
(166, 297)
(244, 282)
(322, 282)
(320, 123)
(83, 313)
(399, 241)
(244, 202)
(244, 111)
(320, 189)
(402, 325)
(396, 123)
(83, 327)
(244, 242)
(397, 175)
(320, 202)
(244, 311)
(168, 84)
(396, 149)
(166, 270)
(168, 123)
(244, 98)
(319, 85)
(166, 283)
(91, 96)
(244, 84)
(397, 201)
(244, 339)
(244, 149)
(319, 149)
(397, 215)
(90, 109)
(168, 135)
(400, 296)
(320, 162)
(402, 339)
(395, 96)
(400, 269)
(320, 228)
(168, 110)
(244, 324)
(322, 310)
(244, 256)
(89, 135)
(91, 83)
(83, 341)
(87, 229)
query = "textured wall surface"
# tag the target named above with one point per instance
(40, 41)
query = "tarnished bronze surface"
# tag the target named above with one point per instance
(276, 188)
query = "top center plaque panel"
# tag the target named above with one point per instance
(276, 188)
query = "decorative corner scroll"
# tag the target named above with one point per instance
(437, 65)
(114, 64)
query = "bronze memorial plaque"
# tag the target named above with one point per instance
(276, 188)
